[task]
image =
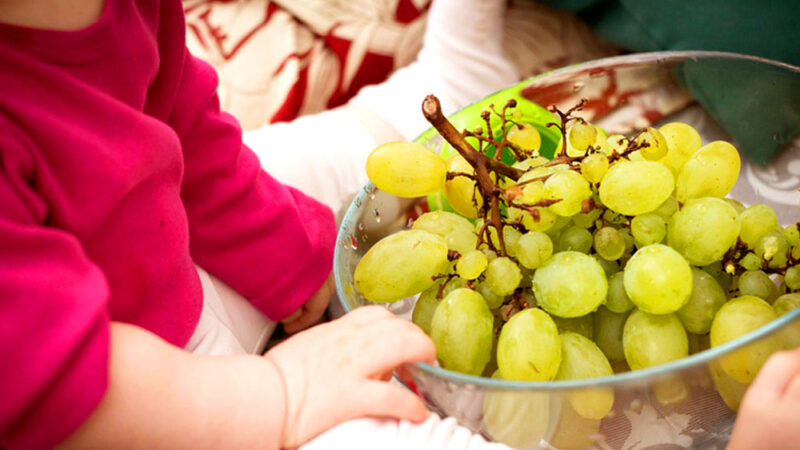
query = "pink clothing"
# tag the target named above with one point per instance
(117, 172)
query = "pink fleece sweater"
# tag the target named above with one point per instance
(117, 172)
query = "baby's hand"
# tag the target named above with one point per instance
(339, 370)
(311, 311)
(768, 417)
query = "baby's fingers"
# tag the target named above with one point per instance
(393, 401)
(395, 342)
(776, 376)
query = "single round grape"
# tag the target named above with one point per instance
(792, 235)
(649, 339)
(570, 284)
(792, 278)
(757, 221)
(758, 284)
(461, 192)
(617, 143)
(586, 220)
(581, 359)
(706, 299)
(594, 167)
(406, 169)
(461, 329)
(609, 267)
(511, 238)
(575, 238)
(609, 243)
(502, 276)
(525, 136)
(658, 280)
(703, 230)
(471, 264)
(682, 142)
(582, 135)
(457, 231)
(425, 307)
(571, 188)
(774, 249)
(547, 218)
(729, 389)
(751, 261)
(668, 208)
(529, 348)
(493, 301)
(636, 187)
(534, 248)
(607, 332)
(617, 299)
(710, 172)
(654, 144)
(519, 419)
(648, 229)
(581, 325)
(736, 318)
(400, 265)
(786, 303)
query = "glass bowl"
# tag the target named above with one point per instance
(689, 403)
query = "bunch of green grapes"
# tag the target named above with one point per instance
(620, 253)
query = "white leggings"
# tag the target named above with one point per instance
(229, 325)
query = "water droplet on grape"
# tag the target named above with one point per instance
(577, 87)
(353, 242)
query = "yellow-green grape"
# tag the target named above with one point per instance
(616, 143)
(786, 303)
(706, 299)
(682, 142)
(493, 301)
(648, 229)
(751, 261)
(571, 188)
(547, 218)
(668, 208)
(570, 284)
(658, 280)
(792, 235)
(425, 307)
(594, 167)
(457, 231)
(461, 328)
(406, 169)
(461, 192)
(530, 163)
(617, 299)
(789, 335)
(525, 136)
(614, 218)
(774, 249)
(710, 172)
(609, 267)
(581, 325)
(516, 418)
(654, 144)
(629, 241)
(737, 205)
(737, 318)
(471, 264)
(649, 339)
(575, 238)
(757, 221)
(609, 243)
(533, 249)
(511, 236)
(502, 276)
(703, 230)
(729, 389)
(792, 278)
(532, 192)
(580, 359)
(400, 265)
(636, 187)
(670, 390)
(582, 135)
(586, 220)
(758, 284)
(529, 348)
(607, 332)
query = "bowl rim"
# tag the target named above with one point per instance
(637, 376)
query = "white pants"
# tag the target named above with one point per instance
(229, 324)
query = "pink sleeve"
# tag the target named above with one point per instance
(271, 243)
(54, 328)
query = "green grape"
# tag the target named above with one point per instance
(493, 301)
(575, 238)
(594, 167)
(581, 325)
(751, 261)
(729, 389)
(706, 299)
(682, 142)
(668, 208)
(616, 143)
(588, 219)
(737, 205)
(636, 187)
(789, 335)
(710, 172)
(658, 280)
(461, 329)
(796, 252)
(617, 300)
(655, 146)
(607, 332)
(792, 235)
(525, 136)
(462, 192)
(757, 221)
(670, 390)
(529, 348)
(516, 418)
(471, 264)
(533, 192)
(649, 339)
(571, 188)
(580, 359)
(546, 220)
(614, 218)
(609, 267)
(406, 169)
(502, 276)
(570, 284)
(400, 265)
(609, 243)
(758, 284)
(786, 303)
(582, 135)
(534, 248)
(648, 229)
(511, 238)
(425, 307)
(792, 278)
(629, 241)
(735, 319)
(703, 230)
(774, 249)
(456, 230)
(530, 163)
